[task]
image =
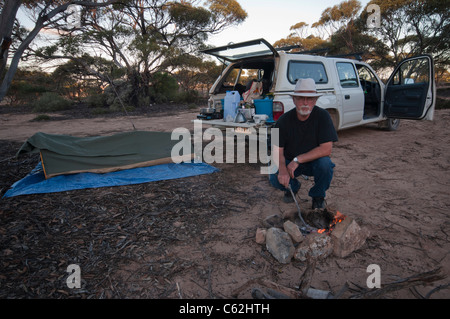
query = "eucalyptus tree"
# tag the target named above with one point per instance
(142, 37)
(411, 27)
(47, 14)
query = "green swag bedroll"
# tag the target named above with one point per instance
(63, 154)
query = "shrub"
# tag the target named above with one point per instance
(51, 102)
(96, 100)
(190, 96)
(41, 117)
(164, 88)
(442, 103)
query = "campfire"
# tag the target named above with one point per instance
(338, 218)
(321, 221)
(313, 235)
(308, 238)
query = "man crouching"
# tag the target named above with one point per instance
(306, 136)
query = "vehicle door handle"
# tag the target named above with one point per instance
(347, 97)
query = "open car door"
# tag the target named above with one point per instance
(411, 90)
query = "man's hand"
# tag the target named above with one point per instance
(292, 166)
(283, 178)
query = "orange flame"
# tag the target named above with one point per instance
(337, 219)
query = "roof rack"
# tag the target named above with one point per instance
(315, 51)
(357, 55)
(288, 48)
(324, 51)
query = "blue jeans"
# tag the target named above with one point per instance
(322, 171)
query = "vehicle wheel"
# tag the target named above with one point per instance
(389, 124)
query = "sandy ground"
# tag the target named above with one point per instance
(395, 184)
(19, 127)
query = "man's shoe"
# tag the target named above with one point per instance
(318, 202)
(288, 197)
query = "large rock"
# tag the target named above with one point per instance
(347, 237)
(280, 245)
(315, 246)
(293, 230)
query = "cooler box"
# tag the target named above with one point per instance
(264, 106)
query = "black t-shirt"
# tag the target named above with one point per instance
(299, 137)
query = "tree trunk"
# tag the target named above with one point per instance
(16, 58)
(7, 19)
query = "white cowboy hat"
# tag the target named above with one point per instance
(305, 87)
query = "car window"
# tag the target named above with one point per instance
(305, 69)
(230, 78)
(347, 74)
(412, 72)
(366, 74)
(245, 76)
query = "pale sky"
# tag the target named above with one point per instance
(268, 19)
(271, 19)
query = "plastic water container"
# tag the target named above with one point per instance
(264, 106)
(231, 103)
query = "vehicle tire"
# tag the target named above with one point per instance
(389, 124)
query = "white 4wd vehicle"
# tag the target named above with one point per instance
(352, 92)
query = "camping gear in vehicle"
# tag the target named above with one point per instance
(255, 91)
(248, 113)
(209, 113)
(240, 117)
(260, 118)
(232, 100)
(264, 106)
(207, 110)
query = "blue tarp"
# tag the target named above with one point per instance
(35, 182)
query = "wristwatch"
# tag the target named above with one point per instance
(296, 159)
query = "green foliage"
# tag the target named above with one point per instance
(28, 86)
(230, 10)
(187, 16)
(97, 100)
(443, 98)
(407, 28)
(145, 37)
(41, 118)
(190, 96)
(51, 102)
(442, 103)
(164, 88)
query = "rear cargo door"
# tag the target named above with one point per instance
(243, 50)
(411, 90)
